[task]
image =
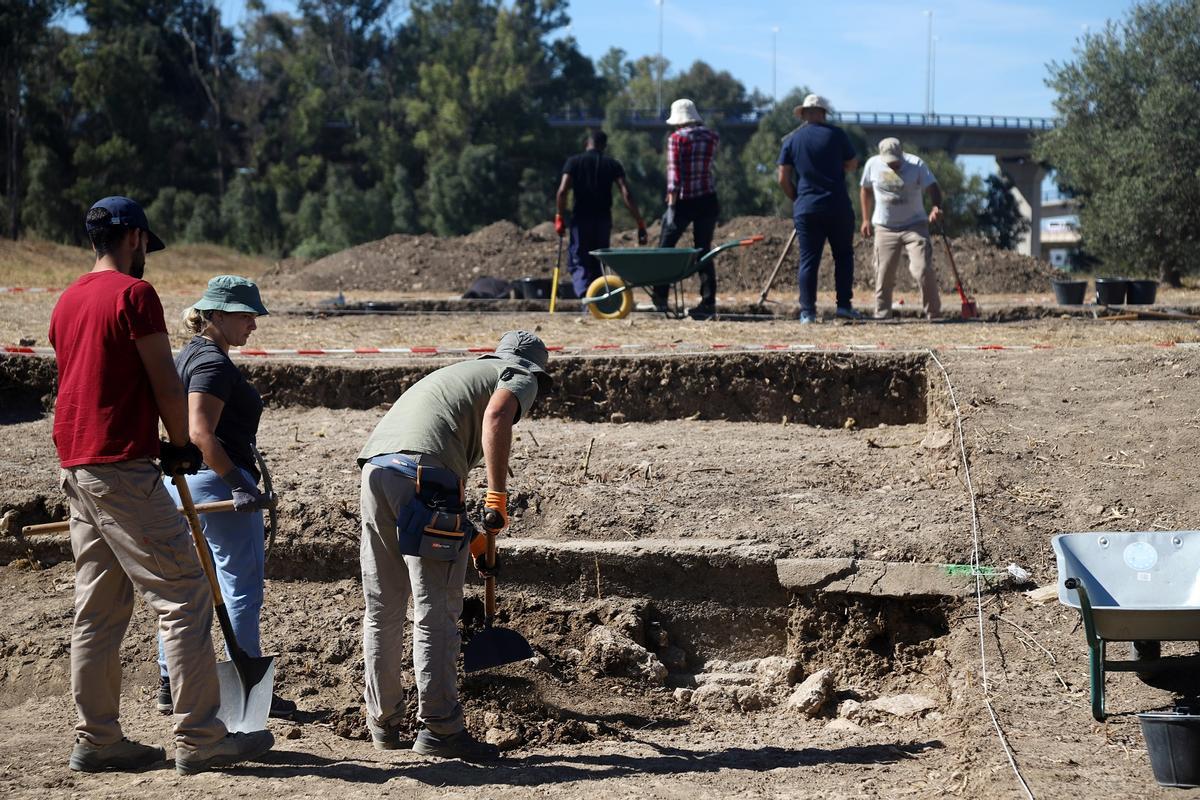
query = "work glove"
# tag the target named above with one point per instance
(498, 502)
(480, 564)
(642, 237)
(179, 459)
(246, 496)
(560, 227)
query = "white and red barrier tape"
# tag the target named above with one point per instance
(24, 289)
(254, 352)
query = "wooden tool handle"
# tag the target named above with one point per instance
(189, 511)
(65, 525)
(490, 518)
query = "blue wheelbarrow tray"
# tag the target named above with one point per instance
(1131, 587)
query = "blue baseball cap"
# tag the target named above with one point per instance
(128, 213)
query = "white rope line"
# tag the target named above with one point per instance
(978, 574)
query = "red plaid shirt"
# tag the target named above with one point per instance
(690, 153)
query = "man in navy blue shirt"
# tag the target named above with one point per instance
(812, 173)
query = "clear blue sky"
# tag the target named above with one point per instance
(864, 56)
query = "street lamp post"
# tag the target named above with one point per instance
(774, 70)
(659, 64)
(928, 63)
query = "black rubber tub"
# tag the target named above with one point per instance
(1111, 291)
(539, 289)
(1141, 293)
(1069, 293)
(1173, 739)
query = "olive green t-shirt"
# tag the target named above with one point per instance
(441, 415)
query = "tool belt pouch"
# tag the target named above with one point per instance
(428, 533)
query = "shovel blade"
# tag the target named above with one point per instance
(493, 647)
(246, 690)
(970, 310)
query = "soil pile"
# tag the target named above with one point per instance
(431, 264)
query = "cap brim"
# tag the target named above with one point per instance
(155, 244)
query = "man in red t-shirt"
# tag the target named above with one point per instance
(116, 379)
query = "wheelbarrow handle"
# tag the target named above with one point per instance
(726, 245)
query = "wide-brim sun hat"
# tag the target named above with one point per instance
(813, 101)
(526, 350)
(232, 293)
(683, 112)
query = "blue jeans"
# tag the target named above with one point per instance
(812, 230)
(235, 539)
(587, 234)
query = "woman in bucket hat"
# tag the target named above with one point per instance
(223, 415)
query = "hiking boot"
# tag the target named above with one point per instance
(234, 748)
(384, 736)
(702, 312)
(807, 317)
(846, 312)
(454, 745)
(281, 708)
(124, 756)
(164, 704)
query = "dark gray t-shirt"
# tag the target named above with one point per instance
(205, 367)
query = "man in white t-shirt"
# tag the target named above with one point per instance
(892, 193)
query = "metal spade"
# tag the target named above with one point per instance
(246, 681)
(493, 646)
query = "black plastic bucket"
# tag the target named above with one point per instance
(533, 288)
(1069, 293)
(1141, 293)
(1173, 739)
(1111, 291)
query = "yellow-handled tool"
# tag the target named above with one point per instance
(554, 283)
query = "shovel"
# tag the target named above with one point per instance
(969, 309)
(492, 646)
(246, 682)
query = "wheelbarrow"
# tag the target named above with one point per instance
(610, 295)
(1140, 587)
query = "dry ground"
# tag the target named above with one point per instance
(1096, 434)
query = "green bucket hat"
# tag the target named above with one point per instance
(231, 293)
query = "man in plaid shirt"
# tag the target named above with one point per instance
(691, 198)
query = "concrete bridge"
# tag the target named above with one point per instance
(1008, 139)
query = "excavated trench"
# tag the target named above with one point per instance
(718, 602)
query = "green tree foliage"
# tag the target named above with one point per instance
(341, 121)
(1126, 144)
(1000, 220)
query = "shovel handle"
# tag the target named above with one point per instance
(189, 511)
(554, 284)
(492, 522)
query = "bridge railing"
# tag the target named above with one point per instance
(650, 117)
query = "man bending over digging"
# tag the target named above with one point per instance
(416, 538)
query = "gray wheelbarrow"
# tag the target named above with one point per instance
(610, 297)
(1141, 587)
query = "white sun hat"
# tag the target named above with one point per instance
(683, 112)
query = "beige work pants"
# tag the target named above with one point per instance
(127, 534)
(390, 579)
(890, 245)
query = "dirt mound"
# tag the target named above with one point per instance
(426, 263)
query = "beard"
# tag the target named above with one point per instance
(137, 266)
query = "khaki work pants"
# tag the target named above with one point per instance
(890, 245)
(127, 534)
(389, 579)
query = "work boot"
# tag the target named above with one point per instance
(384, 736)
(807, 317)
(454, 745)
(123, 756)
(702, 312)
(281, 708)
(234, 748)
(165, 704)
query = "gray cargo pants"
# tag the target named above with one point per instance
(436, 588)
(127, 534)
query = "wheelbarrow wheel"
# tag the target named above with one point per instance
(615, 307)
